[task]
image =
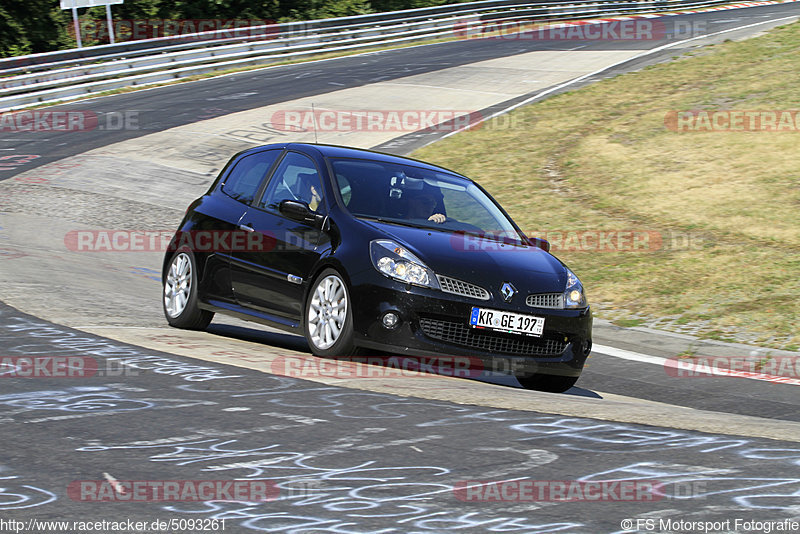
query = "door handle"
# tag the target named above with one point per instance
(246, 228)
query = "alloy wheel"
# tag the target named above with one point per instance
(327, 311)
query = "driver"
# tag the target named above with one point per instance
(307, 190)
(423, 206)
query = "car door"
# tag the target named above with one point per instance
(215, 224)
(273, 279)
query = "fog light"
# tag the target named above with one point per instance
(390, 319)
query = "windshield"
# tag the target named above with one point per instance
(412, 196)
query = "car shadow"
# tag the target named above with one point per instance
(580, 392)
(256, 335)
(298, 343)
(508, 380)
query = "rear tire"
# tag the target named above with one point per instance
(180, 293)
(550, 383)
(328, 323)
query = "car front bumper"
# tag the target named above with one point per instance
(435, 323)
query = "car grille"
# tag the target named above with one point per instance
(553, 301)
(465, 289)
(461, 334)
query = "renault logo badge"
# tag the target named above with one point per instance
(508, 292)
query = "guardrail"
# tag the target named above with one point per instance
(63, 75)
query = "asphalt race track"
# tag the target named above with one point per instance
(345, 460)
(388, 452)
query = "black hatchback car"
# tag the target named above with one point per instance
(361, 250)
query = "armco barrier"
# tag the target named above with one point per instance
(62, 75)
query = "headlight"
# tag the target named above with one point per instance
(574, 297)
(395, 261)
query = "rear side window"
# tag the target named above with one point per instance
(244, 180)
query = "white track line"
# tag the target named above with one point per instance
(705, 367)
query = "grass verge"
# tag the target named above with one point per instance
(721, 209)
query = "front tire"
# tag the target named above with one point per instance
(180, 293)
(328, 321)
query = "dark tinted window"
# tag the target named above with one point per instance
(243, 181)
(415, 196)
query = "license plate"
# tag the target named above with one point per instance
(504, 321)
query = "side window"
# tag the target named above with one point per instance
(243, 181)
(296, 178)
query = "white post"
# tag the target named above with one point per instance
(77, 26)
(110, 23)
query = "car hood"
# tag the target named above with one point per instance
(485, 262)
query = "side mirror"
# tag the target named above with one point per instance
(299, 211)
(543, 244)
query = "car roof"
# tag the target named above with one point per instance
(337, 151)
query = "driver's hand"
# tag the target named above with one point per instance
(437, 218)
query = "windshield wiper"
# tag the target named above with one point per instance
(399, 222)
(507, 240)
